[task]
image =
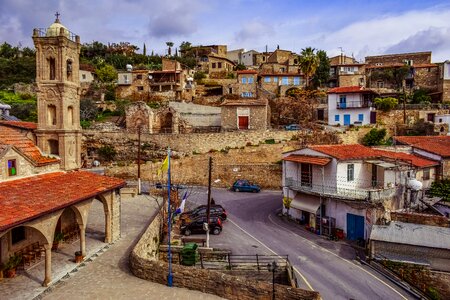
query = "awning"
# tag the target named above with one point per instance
(381, 163)
(314, 160)
(306, 203)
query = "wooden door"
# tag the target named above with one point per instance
(243, 122)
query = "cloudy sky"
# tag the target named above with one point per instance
(365, 27)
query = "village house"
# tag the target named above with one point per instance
(44, 196)
(245, 114)
(351, 106)
(347, 187)
(212, 60)
(235, 55)
(422, 74)
(431, 147)
(346, 71)
(444, 80)
(249, 58)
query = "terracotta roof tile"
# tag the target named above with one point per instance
(27, 198)
(20, 124)
(357, 151)
(349, 89)
(434, 144)
(314, 160)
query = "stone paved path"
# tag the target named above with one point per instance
(108, 276)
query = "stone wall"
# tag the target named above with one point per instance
(427, 78)
(144, 265)
(425, 219)
(257, 117)
(417, 57)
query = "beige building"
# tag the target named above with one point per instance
(346, 71)
(245, 114)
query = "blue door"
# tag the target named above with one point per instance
(355, 227)
(346, 120)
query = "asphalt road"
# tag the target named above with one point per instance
(328, 267)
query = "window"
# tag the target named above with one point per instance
(83, 76)
(380, 84)
(17, 235)
(139, 76)
(70, 115)
(213, 65)
(246, 94)
(52, 67)
(264, 58)
(285, 81)
(140, 88)
(266, 79)
(282, 70)
(426, 174)
(306, 174)
(350, 172)
(12, 168)
(219, 65)
(296, 80)
(244, 80)
(125, 78)
(336, 118)
(69, 69)
(361, 117)
(275, 79)
(250, 80)
(51, 115)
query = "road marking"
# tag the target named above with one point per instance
(295, 269)
(346, 260)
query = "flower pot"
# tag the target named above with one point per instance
(10, 273)
(78, 257)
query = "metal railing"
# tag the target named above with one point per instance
(45, 32)
(371, 194)
(352, 104)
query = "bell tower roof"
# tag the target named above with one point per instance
(55, 28)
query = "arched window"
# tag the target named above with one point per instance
(51, 115)
(70, 115)
(53, 147)
(69, 69)
(52, 68)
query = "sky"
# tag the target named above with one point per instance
(358, 28)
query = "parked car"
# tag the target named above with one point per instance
(242, 185)
(216, 210)
(292, 127)
(196, 226)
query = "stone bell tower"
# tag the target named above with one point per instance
(58, 93)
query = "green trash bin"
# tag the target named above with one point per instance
(189, 254)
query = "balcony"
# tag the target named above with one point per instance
(352, 104)
(361, 194)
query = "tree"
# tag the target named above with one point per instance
(374, 137)
(309, 62)
(322, 74)
(420, 96)
(440, 189)
(144, 51)
(88, 110)
(185, 46)
(170, 45)
(240, 67)
(385, 104)
(106, 74)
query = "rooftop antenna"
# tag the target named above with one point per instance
(342, 50)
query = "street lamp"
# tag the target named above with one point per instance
(272, 267)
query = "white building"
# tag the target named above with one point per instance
(351, 106)
(355, 184)
(443, 119)
(86, 76)
(249, 58)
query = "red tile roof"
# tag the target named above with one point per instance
(349, 89)
(439, 145)
(314, 160)
(28, 198)
(357, 151)
(15, 136)
(20, 124)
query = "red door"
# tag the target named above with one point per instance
(243, 122)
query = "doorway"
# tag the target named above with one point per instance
(243, 122)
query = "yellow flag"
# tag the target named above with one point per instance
(164, 167)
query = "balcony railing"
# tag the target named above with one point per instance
(368, 194)
(352, 104)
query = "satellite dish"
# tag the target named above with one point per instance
(150, 77)
(415, 184)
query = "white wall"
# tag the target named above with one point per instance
(333, 99)
(88, 77)
(362, 175)
(247, 57)
(339, 210)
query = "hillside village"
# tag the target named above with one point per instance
(357, 153)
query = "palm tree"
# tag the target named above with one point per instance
(309, 61)
(170, 45)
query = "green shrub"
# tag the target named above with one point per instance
(85, 124)
(433, 293)
(386, 104)
(200, 75)
(374, 137)
(440, 189)
(270, 141)
(107, 153)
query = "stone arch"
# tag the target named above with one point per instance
(51, 114)
(107, 208)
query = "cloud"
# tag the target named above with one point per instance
(253, 31)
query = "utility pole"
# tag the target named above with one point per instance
(208, 207)
(139, 160)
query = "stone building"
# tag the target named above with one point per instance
(346, 71)
(422, 73)
(245, 114)
(43, 192)
(281, 61)
(444, 81)
(249, 58)
(261, 58)
(278, 84)
(164, 120)
(172, 82)
(235, 55)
